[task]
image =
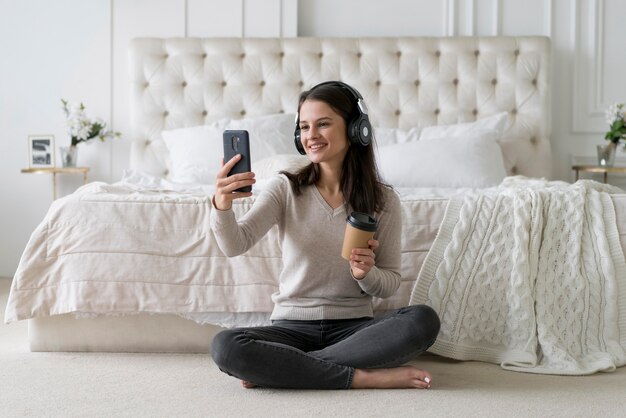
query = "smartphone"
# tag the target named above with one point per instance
(238, 142)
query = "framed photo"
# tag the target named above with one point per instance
(40, 151)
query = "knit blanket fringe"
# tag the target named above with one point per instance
(529, 275)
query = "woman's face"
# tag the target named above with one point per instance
(323, 133)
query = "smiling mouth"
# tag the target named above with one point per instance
(315, 147)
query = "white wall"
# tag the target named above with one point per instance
(77, 49)
(49, 50)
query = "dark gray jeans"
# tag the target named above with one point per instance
(323, 354)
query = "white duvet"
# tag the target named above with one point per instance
(144, 245)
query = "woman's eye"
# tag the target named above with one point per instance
(304, 128)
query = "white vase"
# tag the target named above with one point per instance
(69, 156)
(606, 154)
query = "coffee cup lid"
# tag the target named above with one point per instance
(362, 221)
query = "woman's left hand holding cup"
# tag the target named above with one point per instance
(363, 259)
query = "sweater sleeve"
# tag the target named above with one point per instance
(384, 278)
(235, 237)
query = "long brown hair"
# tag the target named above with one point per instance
(360, 182)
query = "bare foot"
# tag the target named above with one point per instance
(247, 384)
(398, 377)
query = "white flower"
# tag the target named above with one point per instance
(614, 113)
(616, 119)
(81, 128)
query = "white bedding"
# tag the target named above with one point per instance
(143, 245)
(144, 182)
(530, 275)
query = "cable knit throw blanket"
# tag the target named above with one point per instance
(530, 275)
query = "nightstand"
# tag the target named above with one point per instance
(59, 170)
(598, 169)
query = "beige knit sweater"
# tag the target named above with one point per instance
(315, 282)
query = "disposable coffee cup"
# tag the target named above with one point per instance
(360, 228)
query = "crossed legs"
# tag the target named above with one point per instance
(330, 354)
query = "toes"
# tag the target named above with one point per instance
(247, 384)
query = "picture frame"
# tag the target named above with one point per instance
(40, 151)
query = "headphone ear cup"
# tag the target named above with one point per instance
(365, 131)
(360, 131)
(297, 141)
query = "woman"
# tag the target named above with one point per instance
(323, 335)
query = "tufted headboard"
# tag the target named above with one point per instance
(406, 82)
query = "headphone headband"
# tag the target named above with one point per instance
(348, 87)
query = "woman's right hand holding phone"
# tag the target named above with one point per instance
(226, 185)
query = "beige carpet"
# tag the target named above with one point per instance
(166, 385)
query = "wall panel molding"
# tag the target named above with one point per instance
(598, 59)
(497, 18)
(471, 17)
(449, 25)
(289, 18)
(548, 18)
(588, 85)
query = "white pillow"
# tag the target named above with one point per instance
(269, 135)
(196, 153)
(474, 160)
(495, 123)
(270, 166)
(392, 136)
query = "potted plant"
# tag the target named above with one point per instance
(81, 129)
(615, 118)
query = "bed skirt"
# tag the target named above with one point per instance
(141, 333)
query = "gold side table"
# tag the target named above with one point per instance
(58, 170)
(597, 169)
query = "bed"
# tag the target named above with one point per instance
(133, 266)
